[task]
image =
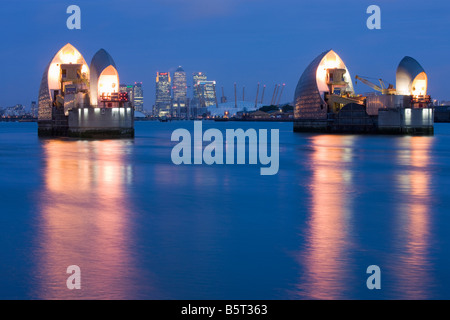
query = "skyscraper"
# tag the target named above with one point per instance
(179, 90)
(196, 77)
(179, 85)
(207, 93)
(196, 102)
(122, 87)
(163, 98)
(34, 109)
(128, 89)
(138, 96)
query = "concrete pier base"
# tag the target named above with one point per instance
(110, 133)
(90, 123)
(406, 121)
(402, 121)
(312, 126)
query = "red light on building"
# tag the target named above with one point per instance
(123, 96)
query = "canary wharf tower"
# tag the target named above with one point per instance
(179, 91)
(179, 85)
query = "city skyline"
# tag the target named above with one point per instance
(246, 41)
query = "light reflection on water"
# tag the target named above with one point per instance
(85, 219)
(330, 254)
(141, 227)
(327, 240)
(412, 239)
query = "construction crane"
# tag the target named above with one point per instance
(381, 88)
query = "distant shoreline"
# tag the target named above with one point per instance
(18, 119)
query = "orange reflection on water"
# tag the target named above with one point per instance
(84, 218)
(325, 256)
(412, 268)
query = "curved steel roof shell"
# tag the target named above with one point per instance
(100, 62)
(52, 75)
(309, 93)
(408, 72)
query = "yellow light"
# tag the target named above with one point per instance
(69, 55)
(84, 69)
(330, 61)
(108, 81)
(420, 84)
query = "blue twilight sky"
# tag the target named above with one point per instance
(243, 41)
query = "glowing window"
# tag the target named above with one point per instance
(67, 55)
(420, 84)
(108, 82)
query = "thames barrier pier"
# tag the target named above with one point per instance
(80, 101)
(325, 100)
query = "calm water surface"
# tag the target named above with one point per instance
(140, 227)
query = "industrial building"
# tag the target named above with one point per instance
(325, 100)
(78, 100)
(230, 109)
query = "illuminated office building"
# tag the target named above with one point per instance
(34, 109)
(207, 93)
(163, 94)
(179, 85)
(138, 96)
(179, 90)
(196, 77)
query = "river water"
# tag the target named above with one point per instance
(140, 227)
